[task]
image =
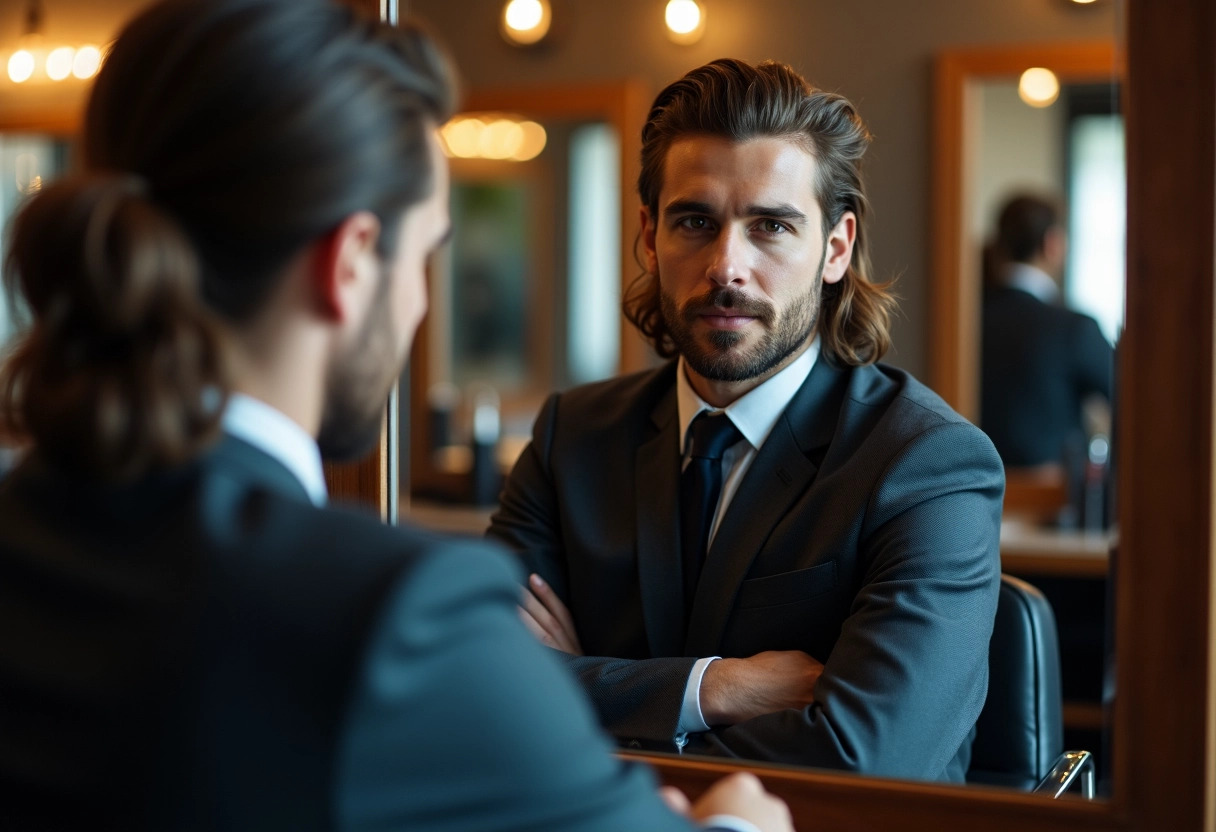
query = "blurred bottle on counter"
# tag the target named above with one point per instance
(484, 475)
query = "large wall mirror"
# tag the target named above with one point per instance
(828, 801)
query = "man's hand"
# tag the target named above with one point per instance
(547, 618)
(743, 796)
(736, 690)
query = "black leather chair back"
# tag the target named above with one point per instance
(1020, 732)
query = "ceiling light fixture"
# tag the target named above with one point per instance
(491, 136)
(685, 20)
(525, 22)
(1039, 87)
(31, 60)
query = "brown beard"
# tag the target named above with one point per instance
(719, 360)
(358, 384)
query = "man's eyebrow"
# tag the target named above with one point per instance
(688, 206)
(777, 212)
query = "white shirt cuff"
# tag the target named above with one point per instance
(691, 719)
(729, 822)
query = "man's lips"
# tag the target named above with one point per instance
(725, 318)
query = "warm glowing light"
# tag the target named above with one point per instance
(470, 137)
(685, 20)
(1083, 2)
(1039, 87)
(501, 139)
(461, 137)
(86, 62)
(59, 63)
(526, 21)
(534, 138)
(21, 66)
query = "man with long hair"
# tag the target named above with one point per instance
(771, 546)
(191, 638)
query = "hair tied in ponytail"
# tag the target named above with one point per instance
(112, 377)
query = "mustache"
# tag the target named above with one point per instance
(728, 298)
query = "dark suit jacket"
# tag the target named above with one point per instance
(1039, 364)
(865, 533)
(206, 650)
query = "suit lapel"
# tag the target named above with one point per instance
(656, 490)
(779, 475)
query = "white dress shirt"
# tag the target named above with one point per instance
(271, 431)
(754, 414)
(1032, 280)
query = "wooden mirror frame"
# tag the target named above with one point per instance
(954, 337)
(1162, 729)
(621, 104)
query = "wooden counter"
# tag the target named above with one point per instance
(1032, 550)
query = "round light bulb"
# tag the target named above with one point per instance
(1039, 87)
(86, 62)
(461, 137)
(534, 139)
(59, 63)
(526, 21)
(685, 20)
(20, 66)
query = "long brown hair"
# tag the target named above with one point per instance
(221, 138)
(739, 101)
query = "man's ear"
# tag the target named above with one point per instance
(839, 246)
(346, 266)
(649, 228)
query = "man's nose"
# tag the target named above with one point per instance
(730, 259)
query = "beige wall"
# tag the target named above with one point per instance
(1021, 148)
(877, 52)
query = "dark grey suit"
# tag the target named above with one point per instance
(865, 533)
(1040, 362)
(204, 649)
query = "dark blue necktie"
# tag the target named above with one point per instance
(700, 487)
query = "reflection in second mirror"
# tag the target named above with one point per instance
(884, 99)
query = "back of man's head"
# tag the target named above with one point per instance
(1023, 225)
(222, 137)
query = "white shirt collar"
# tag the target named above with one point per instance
(271, 431)
(756, 412)
(1033, 281)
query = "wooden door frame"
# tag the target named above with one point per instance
(954, 282)
(623, 105)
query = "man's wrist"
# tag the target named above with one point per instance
(716, 694)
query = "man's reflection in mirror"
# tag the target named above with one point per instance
(1046, 369)
(771, 546)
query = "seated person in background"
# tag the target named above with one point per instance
(825, 524)
(189, 637)
(1040, 361)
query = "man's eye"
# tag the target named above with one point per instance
(696, 223)
(772, 227)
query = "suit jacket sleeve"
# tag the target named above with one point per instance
(637, 700)
(1093, 359)
(907, 678)
(460, 720)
